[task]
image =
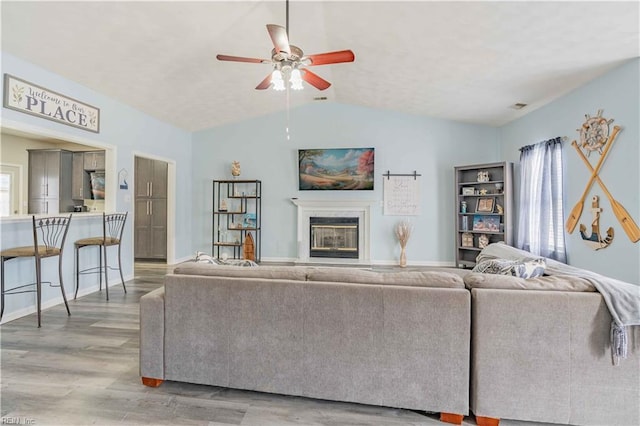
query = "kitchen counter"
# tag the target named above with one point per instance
(27, 217)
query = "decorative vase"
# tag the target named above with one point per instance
(235, 169)
(403, 257)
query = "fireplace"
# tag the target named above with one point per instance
(335, 237)
(335, 209)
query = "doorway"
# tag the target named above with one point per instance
(151, 179)
(10, 189)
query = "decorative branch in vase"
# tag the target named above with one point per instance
(403, 233)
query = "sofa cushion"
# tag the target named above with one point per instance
(526, 268)
(272, 272)
(404, 278)
(508, 282)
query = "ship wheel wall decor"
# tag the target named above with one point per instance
(595, 136)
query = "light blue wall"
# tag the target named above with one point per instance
(130, 131)
(403, 143)
(618, 95)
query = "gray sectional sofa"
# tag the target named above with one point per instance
(399, 339)
(443, 341)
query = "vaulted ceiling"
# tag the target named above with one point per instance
(465, 61)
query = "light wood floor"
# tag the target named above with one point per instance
(83, 370)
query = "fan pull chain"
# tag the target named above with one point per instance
(288, 116)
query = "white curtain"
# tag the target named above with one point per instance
(541, 217)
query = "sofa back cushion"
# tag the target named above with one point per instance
(269, 272)
(404, 278)
(508, 282)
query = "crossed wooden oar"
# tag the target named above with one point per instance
(629, 226)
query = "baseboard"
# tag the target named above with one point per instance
(341, 262)
(11, 316)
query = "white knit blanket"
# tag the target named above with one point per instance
(622, 298)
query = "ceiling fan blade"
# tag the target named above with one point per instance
(331, 57)
(264, 84)
(242, 59)
(279, 38)
(315, 80)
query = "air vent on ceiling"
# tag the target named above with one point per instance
(320, 98)
(519, 105)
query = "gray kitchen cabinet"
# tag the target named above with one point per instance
(150, 238)
(79, 180)
(49, 185)
(151, 178)
(151, 229)
(94, 160)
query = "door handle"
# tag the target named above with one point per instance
(151, 204)
(148, 189)
(147, 204)
(151, 186)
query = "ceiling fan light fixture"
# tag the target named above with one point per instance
(276, 79)
(296, 80)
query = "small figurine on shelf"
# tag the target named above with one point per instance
(483, 241)
(483, 176)
(235, 169)
(499, 209)
(223, 205)
(463, 207)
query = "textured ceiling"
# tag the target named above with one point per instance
(465, 61)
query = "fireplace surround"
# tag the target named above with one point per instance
(307, 209)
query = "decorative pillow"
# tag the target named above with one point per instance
(527, 268)
(205, 258)
(237, 262)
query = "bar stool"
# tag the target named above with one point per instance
(49, 234)
(112, 229)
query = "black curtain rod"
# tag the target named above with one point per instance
(389, 174)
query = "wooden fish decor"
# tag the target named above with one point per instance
(596, 240)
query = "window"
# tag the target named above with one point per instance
(9, 189)
(541, 217)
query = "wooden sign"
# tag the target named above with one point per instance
(401, 194)
(29, 98)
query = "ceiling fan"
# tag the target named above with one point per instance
(289, 62)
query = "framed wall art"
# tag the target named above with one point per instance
(485, 205)
(336, 169)
(486, 223)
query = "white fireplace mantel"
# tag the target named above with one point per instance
(334, 208)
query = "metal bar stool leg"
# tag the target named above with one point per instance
(120, 268)
(106, 270)
(2, 286)
(77, 274)
(64, 295)
(100, 270)
(38, 290)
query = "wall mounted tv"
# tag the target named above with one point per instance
(336, 169)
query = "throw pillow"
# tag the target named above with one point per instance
(527, 268)
(205, 258)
